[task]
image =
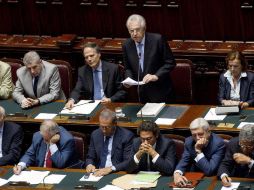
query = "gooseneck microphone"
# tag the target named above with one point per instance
(139, 67)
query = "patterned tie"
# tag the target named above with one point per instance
(104, 153)
(48, 160)
(35, 85)
(96, 85)
(140, 56)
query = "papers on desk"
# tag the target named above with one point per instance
(151, 109)
(234, 185)
(54, 179)
(3, 181)
(45, 116)
(91, 178)
(111, 187)
(132, 82)
(147, 177)
(82, 107)
(244, 123)
(211, 115)
(165, 121)
(32, 177)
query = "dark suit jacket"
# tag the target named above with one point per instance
(166, 162)
(246, 88)
(158, 60)
(214, 153)
(121, 148)
(64, 157)
(228, 164)
(111, 80)
(11, 143)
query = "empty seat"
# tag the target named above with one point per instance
(179, 142)
(80, 144)
(225, 137)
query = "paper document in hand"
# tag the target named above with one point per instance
(211, 115)
(147, 177)
(54, 179)
(82, 107)
(132, 82)
(151, 109)
(91, 178)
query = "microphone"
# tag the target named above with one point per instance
(138, 90)
(43, 180)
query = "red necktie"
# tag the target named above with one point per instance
(48, 160)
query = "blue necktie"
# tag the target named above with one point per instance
(96, 85)
(104, 153)
(35, 85)
(140, 56)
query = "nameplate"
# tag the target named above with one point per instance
(18, 183)
(123, 119)
(17, 114)
(79, 117)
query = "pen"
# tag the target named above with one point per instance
(227, 179)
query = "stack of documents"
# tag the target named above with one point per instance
(211, 115)
(147, 177)
(82, 107)
(151, 109)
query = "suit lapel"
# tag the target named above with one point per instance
(105, 76)
(41, 81)
(228, 89)
(5, 138)
(116, 140)
(147, 50)
(100, 142)
(42, 153)
(134, 55)
(243, 88)
(89, 79)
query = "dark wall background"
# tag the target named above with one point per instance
(177, 19)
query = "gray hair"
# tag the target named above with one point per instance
(31, 57)
(108, 114)
(92, 45)
(136, 18)
(2, 111)
(199, 123)
(247, 133)
(50, 126)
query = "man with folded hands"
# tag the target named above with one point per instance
(203, 152)
(239, 157)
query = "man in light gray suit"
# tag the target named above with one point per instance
(38, 82)
(6, 86)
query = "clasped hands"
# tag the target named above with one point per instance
(146, 148)
(29, 102)
(98, 172)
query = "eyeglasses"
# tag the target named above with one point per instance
(137, 30)
(146, 139)
(105, 127)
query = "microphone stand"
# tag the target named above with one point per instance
(138, 90)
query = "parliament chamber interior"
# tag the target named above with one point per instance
(199, 33)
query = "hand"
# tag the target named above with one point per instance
(102, 171)
(150, 78)
(69, 105)
(54, 139)
(90, 168)
(179, 180)
(26, 103)
(230, 103)
(105, 100)
(150, 150)
(226, 181)
(200, 144)
(142, 149)
(34, 101)
(243, 105)
(17, 169)
(241, 158)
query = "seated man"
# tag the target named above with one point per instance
(151, 151)
(6, 86)
(97, 80)
(11, 136)
(110, 146)
(239, 157)
(203, 151)
(52, 146)
(38, 82)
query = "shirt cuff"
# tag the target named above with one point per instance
(178, 171)
(53, 148)
(113, 168)
(22, 164)
(155, 158)
(223, 175)
(251, 164)
(136, 159)
(199, 156)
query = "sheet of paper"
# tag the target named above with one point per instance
(244, 123)
(234, 185)
(91, 178)
(165, 121)
(32, 177)
(111, 187)
(132, 82)
(146, 177)
(45, 116)
(211, 115)
(3, 181)
(54, 179)
(82, 107)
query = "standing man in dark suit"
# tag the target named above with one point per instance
(203, 151)
(147, 57)
(97, 80)
(239, 157)
(11, 137)
(52, 146)
(110, 146)
(152, 151)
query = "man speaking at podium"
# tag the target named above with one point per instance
(148, 58)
